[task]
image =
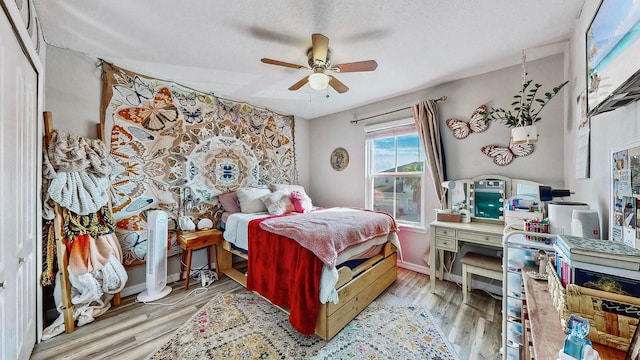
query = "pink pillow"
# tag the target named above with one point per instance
(301, 201)
(229, 202)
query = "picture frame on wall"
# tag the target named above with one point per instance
(613, 55)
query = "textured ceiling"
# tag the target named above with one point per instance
(216, 45)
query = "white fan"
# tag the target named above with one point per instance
(157, 234)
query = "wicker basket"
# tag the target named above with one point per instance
(607, 327)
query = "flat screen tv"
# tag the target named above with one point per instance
(613, 55)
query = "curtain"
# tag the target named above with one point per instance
(425, 114)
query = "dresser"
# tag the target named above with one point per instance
(450, 236)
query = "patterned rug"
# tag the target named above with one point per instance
(245, 326)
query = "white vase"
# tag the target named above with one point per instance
(524, 134)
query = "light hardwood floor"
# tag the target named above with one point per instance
(133, 330)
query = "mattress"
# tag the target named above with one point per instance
(236, 233)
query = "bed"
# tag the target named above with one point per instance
(308, 284)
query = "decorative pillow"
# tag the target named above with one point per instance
(229, 202)
(249, 199)
(301, 201)
(278, 203)
(286, 188)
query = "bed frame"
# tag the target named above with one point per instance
(356, 287)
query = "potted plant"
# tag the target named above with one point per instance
(525, 112)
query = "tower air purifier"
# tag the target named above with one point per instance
(585, 223)
(157, 235)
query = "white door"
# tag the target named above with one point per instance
(19, 161)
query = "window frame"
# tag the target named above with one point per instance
(388, 130)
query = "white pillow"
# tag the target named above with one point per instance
(249, 199)
(286, 188)
(278, 203)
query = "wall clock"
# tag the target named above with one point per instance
(339, 159)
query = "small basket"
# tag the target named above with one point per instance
(609, 328)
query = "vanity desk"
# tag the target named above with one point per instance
(486, 198)
(449, 236)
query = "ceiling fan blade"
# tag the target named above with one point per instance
(320, 45)
(282, 63)
(368, 65)
(337, 85)
(299, 84)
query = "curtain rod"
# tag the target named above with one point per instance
(442, 98)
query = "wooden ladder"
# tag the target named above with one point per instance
(61, 249)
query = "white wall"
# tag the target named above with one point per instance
(73, 89)
(609, 131)
(463, 157)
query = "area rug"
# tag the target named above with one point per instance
(245, 326)
(385, 331)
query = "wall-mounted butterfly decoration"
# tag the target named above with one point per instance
(503, 155)
(462, 129)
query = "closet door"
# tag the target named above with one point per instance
(19, 161)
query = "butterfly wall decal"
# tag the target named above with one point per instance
(461, 129)
(504, 155)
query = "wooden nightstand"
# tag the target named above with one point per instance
(196, 240)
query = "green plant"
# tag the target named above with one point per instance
(524, 111)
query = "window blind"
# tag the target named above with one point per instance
(391, 128)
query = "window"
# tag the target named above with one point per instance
(395, 171)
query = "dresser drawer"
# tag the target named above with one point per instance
(446, 243)
(480, 238)
(445, 232)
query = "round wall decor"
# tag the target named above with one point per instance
(339, 159)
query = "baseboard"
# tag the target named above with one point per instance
(413, 267)
(138, 288)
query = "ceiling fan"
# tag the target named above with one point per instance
(320, 63)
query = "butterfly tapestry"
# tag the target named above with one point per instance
(152, 115)
(132, 89)
(503, 155)
(461, 129)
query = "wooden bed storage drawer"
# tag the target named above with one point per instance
(355, 297)
(489, 239)
(446, 243)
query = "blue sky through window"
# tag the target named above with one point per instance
(384, 152)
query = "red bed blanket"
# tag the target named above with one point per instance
(285, 273)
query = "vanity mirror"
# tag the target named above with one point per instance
(486, 196)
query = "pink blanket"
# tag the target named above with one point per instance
(328, 232)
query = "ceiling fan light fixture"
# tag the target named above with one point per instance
(318, 81)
